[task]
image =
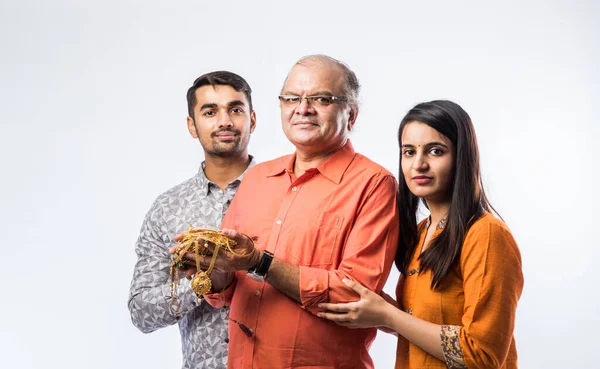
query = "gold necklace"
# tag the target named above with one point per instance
(201, 283)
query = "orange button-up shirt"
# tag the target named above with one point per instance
(339, 220)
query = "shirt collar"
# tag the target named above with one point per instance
(333, 168)
(440, 226)
(204, 183)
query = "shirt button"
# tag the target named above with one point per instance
(257, 293)
(294, 188)
(278, 221)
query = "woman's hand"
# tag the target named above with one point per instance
(370, 311)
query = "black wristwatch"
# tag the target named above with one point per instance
(259, 272)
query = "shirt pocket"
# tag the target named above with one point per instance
(256, 229)
(318, 242)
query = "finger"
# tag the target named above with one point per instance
(188, 263)
(190, 259)
(178, 237)
(357, 287)
(189, 256)
(238, 237)
(339, 308)
(210, 246)
(190, 272)
(172, 249)
(183, 266)
(338, 318)
(205, 261)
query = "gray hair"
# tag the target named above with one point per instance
(351, 84)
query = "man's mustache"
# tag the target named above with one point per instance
(235, 131)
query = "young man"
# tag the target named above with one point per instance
(222, 119)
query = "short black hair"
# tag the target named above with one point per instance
(218, 78)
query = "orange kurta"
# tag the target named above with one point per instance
(336, 221)
(479, 297)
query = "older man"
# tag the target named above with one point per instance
(303, 223)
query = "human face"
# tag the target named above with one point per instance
(310, 127)
(427, 159)
(222, 121)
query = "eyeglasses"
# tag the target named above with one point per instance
(319, 100)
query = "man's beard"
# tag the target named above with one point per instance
(224, 149)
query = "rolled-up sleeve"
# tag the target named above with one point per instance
(367, 253)
(493, 282)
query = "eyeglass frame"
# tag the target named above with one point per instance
(311, 99)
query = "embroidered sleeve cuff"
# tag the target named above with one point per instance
(451, 347)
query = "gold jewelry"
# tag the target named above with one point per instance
(441, 224)
(201, 283)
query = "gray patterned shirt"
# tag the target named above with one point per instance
(203, 328)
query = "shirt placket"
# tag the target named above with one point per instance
(228, 197)
(288, 201)
(220, 201)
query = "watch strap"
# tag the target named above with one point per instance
(263, 265)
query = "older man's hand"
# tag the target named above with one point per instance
(242, 256)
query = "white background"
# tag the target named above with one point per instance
(92, 117)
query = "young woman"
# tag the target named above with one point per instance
(461, 274)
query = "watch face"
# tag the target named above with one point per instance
(256, 277)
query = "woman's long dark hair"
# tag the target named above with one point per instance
(468, 199)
